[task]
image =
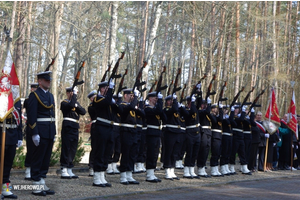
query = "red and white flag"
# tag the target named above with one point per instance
(9, 87)
(272, 111)
(292, 124)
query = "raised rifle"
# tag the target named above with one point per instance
(52, 63)
(222, 93)
(208, 93)
(120, 88)
(169, 88)
(158, 86)
(105, 73)
(182, 93)
(76, 81)
(152, 87)
(138, 81)
(247, 97)
(236, 97)
(256, 100)
(115, 69)
(175, 88)
(195, 86)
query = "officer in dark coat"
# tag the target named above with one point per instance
(154, 115)
(29, 142)
(262, 144)
(13, 139)
(93, 116)
(41, 122)
(71, 110)
(103, 132)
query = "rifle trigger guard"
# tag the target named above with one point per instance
(117, 76)
(212, 93)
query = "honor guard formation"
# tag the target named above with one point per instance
(129, 134)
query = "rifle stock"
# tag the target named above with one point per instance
(76, 81)
(175, 88)
(247, 97)
(105, 73)
(152, 87)
(182, 93)
(208, 93)
(236, 97)
(138, 82)
(52, 63)
(195, 86)
(120, 88)
(158, 86)
(222, 93)
(256, 100)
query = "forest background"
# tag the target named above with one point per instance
(251, 44)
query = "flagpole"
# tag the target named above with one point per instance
(2, 154)
(267, 141)
(292, 84)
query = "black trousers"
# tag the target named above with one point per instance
(103, 145)
(116, 148)
(29, 147)
(138, 143)
(192, 148)
(253, 156)
(9, 155)
(153, 144)
(203, 150)
(41, 159)
(238, 146)
(171, 148)
(225, 149)
(142, 149)
(181, 146)
(92, 152)
(162, 149)
(261, 158)
(69, 144)
(128, 150)
(215, 150)
(248, 143)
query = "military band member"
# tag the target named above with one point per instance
(103, 132)
(93, 116)
(29, 142)
(205, 144)
(13, 139)
(227, 123)
(238, 144)
(41, 122)
(71, 110)
(128, 135)
(154, 114)
(193, 138)
(216, 139)
(171, 136)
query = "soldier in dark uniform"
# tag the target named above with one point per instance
(238, 144)
(262, 143)
(154, 114)
(41, 122)
(71, 110)
(247, 124)
(128, 135)
(13, 139)
(116, 149)
(103, 132)
(227, 123)
(216, 140)
(29, 142)
(193, 137)
(171, 136)
(93, 116)
(205, 121)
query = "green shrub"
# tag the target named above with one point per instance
(19, 160)
(55, 156)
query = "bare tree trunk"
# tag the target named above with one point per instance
(237, 50)
(143, 34)
(253, 61)
(113, 31)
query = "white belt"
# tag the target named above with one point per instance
(139, 125)
(206, 127)
(247, 132)
(71, 119)
(129, 125)
(229, 134)
(154, 127)
(163, 126)
(105, 120)
(50, 119)
(172, 126)
(144, 128)
(93, 121)
(216, 130)
(9, 125)
(193, 126)
(117, 124)
(236, 129)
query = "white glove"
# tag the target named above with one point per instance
(208, 100)
(141, 99)
(267, 135)
(274, 144)
(292, 146)
(120, 95)
(198, 86)
(193, 98)
(20, 143)
(174, 96)
(243, 108)
(36, 139)
(111, 83)
(220, 105)
(159, 95)
(113, 101)
(76, 105)
(136, 93)
(75, 90)
(181, 105)
(232, 108)
(147, 102)
(252, 110)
